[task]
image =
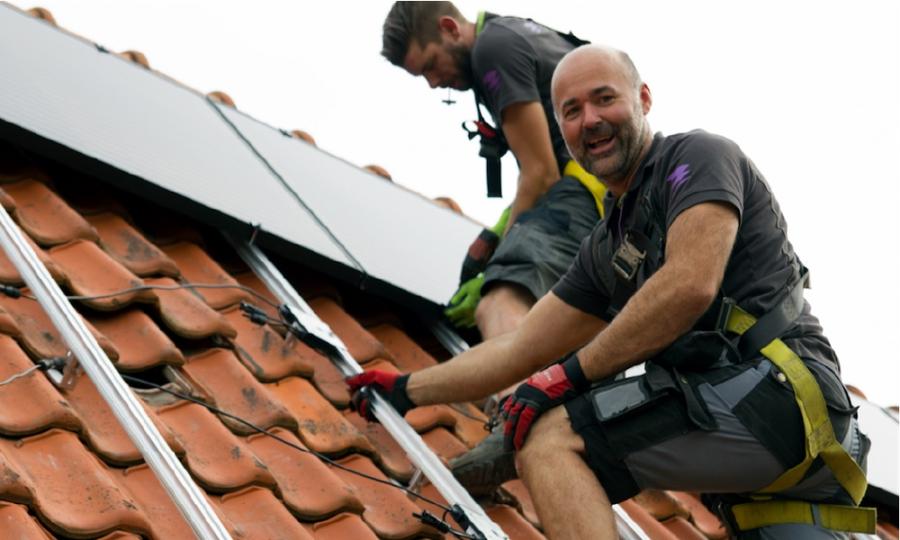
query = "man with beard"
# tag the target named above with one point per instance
(508, 63)
(692, 275)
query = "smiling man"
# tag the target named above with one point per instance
(692, 275)
(508, 63)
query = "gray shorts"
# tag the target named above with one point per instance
(633, 444)
(543, 241)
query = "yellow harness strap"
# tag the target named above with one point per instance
(820, 441)
(829, 516)
(588, 180)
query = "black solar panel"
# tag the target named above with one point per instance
(151, 135)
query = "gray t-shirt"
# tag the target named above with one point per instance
(685, 170)
(512, 62)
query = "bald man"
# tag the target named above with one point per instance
(692, 253)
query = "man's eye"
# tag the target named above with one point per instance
(571, 113)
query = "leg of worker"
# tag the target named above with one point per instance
(567, 496)
(502, 309)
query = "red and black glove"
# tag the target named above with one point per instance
(479, 254)
(541, 392)
(391, 386)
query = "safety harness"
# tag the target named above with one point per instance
(639, 254)
(493, 145)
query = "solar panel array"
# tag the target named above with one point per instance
(220, 164)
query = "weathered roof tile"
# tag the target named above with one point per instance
(130, 248)
(141, 344)
(199, 268)
(187, 315)
(263, 351)
(309, 487)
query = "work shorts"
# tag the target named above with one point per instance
(544, 240)
(640, 438)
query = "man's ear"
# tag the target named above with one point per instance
(449, 25)
(646, 98)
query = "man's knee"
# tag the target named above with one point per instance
(550, 435)
(504, 298)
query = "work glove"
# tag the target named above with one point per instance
(391, 386)
(462, 306)
(478, 255)
(541, 392)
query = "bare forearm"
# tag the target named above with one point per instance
(475, 374)
(661, 311)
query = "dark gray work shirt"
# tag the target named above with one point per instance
(685, 170)
(512, 62)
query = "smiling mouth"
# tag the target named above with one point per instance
(599, 145)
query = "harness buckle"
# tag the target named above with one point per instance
(725, 310)
(627, 259)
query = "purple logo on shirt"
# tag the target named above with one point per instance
(491, 80)
(679, 176)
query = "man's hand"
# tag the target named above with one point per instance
(391, 386)
(540, 393)
(462, 306)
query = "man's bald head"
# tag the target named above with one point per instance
(601, 105)
(596, 55)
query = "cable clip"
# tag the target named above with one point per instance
(71, 371)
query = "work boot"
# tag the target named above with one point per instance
(482, 469)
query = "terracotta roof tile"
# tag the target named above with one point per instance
(512, 523)
(661, 504)
(258, 514)
(425, 418)
(327, 378)
(217, 458)
(46, 407)
(646, 522)
(198, 267)
(361, 344)
(263, 351)
(249, 279)
(92, 272)
(322, 428)
(130, 248)
(45, 216)
(378, 170)
(309, 487)
(7, 202)
(10, 275)
(221, 97)
(234, 390)
(388, 454)
(137, 57)
(388, 512)
(120, 535)
(165, 519)
(30, 325)
(42, 13)
(101, 505)
(304, 136)
(407, 355)
(16, 523)
(444, 444)
(682, 529)
(102, 429)
(187, 315)
(141, 344)
(470, 423)
(700, 516)
(342, 527)
(516, 488)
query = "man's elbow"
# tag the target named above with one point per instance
(695, 296)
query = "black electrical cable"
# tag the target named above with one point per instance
(322, 457)
(15, 292)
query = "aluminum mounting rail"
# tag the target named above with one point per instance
(455, 344)
(190, 501)
(480, 525)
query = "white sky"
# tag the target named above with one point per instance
(810, 90)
